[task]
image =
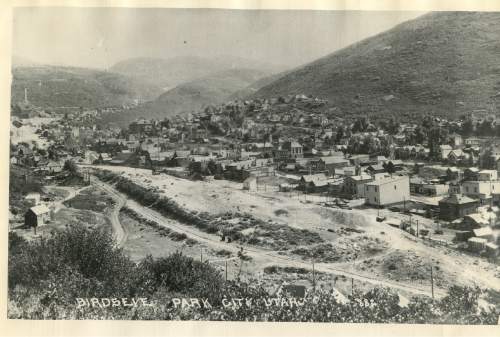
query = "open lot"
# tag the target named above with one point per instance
(354, 235)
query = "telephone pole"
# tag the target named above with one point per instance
(314, 277)
(432, 285)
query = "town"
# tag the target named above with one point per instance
(359, 187)
(441, 173)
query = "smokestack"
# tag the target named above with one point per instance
(26, 95)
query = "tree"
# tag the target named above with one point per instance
(340, 134)
(419, 135)
(70, 166)
(485, 128)
(360, 125)
(467, 128)
(487, 160)
(389, 167)
(392, 126)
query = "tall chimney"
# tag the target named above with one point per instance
(26, 95)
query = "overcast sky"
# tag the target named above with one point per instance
(99, 37)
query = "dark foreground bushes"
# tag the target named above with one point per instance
(47, 276)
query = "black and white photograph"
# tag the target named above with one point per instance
(255, 165)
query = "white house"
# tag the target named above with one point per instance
(390, 190)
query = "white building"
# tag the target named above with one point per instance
(250, 183)
(33, 199)
(390, 190)
(480, 189)
(487, 175)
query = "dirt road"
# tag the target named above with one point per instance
(119, 231)
(257, 252)
(72, 192)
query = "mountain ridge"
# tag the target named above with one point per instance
(435, 63)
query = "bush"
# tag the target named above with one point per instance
(45, 277)
(177, 236)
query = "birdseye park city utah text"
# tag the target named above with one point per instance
(255, 166)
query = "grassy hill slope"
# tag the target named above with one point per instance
(447, 63)
(194, 95)
(54, 86)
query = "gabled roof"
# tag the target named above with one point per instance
(40, 209)
(377, 167)
(483, 231)
(477, 240)
(492, 245)
(478, 218)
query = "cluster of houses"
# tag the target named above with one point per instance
(296, 136)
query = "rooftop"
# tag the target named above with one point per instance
(40, 209)
(387, 180)
(483, 231)
(457, 199)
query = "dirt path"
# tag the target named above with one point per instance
(118, 229)
(72, 192)
(255, 252)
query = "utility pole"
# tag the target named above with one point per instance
(314, 278)
(432, 284)
(225, 269)
(201, 255)
(417, 228)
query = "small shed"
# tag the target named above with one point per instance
(33, 198)
(491, 249)
(36, 216)
(477, 244)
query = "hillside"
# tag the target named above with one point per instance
(255, 86)
(54, 86)
(169, 73)
(194, 95)
(445, 63)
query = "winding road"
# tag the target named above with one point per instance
(215, 242)
(120, 234)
